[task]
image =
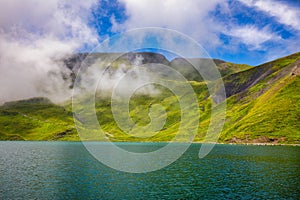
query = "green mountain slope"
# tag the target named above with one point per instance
(35, 119)
(263, 105)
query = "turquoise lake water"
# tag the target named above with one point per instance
(65, 170)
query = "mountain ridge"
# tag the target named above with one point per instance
(263, 106)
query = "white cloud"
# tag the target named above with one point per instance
(34, 34)
(284, 13)
(252, 36)
(195, 19)
(189, 17)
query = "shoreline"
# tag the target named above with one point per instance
(218, 143)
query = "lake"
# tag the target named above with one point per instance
(65, 170)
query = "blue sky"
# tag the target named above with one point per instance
(35, 34)
(241, 31)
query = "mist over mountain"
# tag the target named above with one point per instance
(262, 102)
(185, 66)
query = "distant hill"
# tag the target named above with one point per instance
(186, 66)
(263, 105)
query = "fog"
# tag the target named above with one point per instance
(34, 38)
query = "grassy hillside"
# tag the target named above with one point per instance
(36, 119)
(263, 105)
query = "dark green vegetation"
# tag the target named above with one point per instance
(263, 106)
